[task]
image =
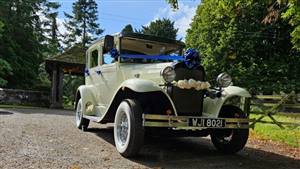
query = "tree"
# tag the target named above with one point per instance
(173, 3)
(1, 28)
(292, 14)
(82, 23)
(50, 26)
(162, 28)
(5, 70)
(21, 47)
(277, 10)
(231, 37)
(127, 29)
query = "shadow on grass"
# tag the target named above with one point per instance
(198, 153)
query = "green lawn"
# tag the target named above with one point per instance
(289, 135)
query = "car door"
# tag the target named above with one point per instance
(93, 78)
(110, 78)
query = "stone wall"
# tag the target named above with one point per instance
(24, 97)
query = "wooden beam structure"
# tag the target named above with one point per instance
(72, 62)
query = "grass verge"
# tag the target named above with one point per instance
(17, 106)
(289, 135)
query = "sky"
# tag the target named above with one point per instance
(113, 15)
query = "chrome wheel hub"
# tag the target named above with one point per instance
(122, 129)
(226, 136)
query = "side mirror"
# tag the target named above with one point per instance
(108, 42)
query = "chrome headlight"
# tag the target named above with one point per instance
(224, 80)
(168, 74)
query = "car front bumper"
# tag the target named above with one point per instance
(194, 123)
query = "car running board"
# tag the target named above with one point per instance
(92, 118)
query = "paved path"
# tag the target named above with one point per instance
(43, 138)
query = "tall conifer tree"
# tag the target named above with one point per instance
(51, 26)
(82, 23)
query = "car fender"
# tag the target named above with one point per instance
(85, 92)
(140, 85)
(212, 107)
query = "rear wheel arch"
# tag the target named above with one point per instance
(86, 93)
(77, 97)
(225, 109)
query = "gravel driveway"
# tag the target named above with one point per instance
(44, 138)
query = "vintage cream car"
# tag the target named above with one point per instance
(143, 84)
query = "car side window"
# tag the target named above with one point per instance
(107, 59)
(94, 58)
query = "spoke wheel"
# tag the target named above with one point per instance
(122, 129)
(128, 129)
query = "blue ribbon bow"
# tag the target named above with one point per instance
(114, 53)
(191, 58)
(86, 72)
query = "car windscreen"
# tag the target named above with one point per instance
(145, 51)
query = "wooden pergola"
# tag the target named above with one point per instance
(72, 61)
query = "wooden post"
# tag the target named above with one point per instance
(56, 88)
(247, 103)
(60, 87)
(53, 87)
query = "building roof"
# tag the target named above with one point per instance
(72, 60)
(73, 55)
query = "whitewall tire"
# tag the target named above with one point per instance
(81, 122)
(128, 129)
